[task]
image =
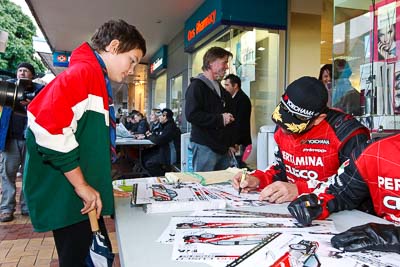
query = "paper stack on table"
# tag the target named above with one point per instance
(162, 197)
(243, 240)
(159, 196)
(221, 238)
(204, 178)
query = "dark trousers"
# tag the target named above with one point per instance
(151, 161)
(73, 242)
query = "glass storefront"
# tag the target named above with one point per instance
(160, 92)
(366, 61)
(177, 99)
(258, 59)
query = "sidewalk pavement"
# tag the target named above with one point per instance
(20, 246)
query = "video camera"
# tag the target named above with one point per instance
(12, 93)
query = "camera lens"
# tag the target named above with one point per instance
(12, 93)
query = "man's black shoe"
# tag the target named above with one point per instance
(6, 217)
(25, 213)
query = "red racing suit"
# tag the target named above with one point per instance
(311, 158)
(372, 171)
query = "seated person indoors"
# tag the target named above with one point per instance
(130, 124)
(154, 120)
(167, 145)
(142, 125)
(312, 142)
(371, 172)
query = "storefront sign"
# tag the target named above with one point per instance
(205, 19)
(201, 25)
(159, 61)
(214, 13)
(61, 59)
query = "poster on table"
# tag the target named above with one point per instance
(286, 225)
(254, 247)
(385, 31)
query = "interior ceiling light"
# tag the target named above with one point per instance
(261, 48)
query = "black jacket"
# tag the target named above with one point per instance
(168, 135)
(242, 112)
(203, 109)
(142, 127)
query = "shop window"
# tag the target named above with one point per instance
(366, 59)
(258, 59)
(160, 92)
(177, 99)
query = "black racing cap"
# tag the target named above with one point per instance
(304, 99)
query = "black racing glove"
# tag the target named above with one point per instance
(372, 236)
(306, 208)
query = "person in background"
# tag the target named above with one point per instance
(131, 125)
(312, 142)
(12, 146)
(167, 145)
(325, 76)
(154, 120)
(372, 172)
(208, 107)
(118, 115)
(344, 96)
(71, 141)
(142, 124)
(241, 112)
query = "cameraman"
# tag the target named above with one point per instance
(12, 148)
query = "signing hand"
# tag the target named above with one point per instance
(279, 192)
(251, 183)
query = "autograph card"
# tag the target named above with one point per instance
(286, 225)
(217, 245)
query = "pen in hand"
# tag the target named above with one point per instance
(244, 171)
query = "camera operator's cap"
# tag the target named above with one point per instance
(304, 100)
(28, 66)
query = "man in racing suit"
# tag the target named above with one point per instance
(313, 141)
(372, 171)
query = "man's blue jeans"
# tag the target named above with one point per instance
(10, 159)
(204, 159)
